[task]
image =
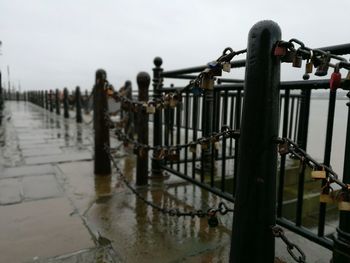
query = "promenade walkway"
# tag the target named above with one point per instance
(53, 209)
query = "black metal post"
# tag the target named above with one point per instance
(303, 125)
(157, 121)
(128, 115)
(46, 100)
(57, 102)
(143, 81)
(1, 99)
(255, 199)
(79, 117)
(341, 250)
(207, 128)
(51, 100)
(65, 103)
(102, 164)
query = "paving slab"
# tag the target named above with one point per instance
(40, 187)
(10, 191)
(59, 158)
(42, 151)
(40, 229)
(27, 170)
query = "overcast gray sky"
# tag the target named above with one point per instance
(52, 44)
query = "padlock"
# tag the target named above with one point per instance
(142, 152)
(196, 91)
(173, 154)
(212, 219)
(283, 148)
(322, 69)
(214, 69)
(316, 61)
(172, 101)
(344, 206)
(326, 198)
(150, 108)
(308, 67)
(217, 145)
(193, 148)
(226, 66)
(204, 144)
(159, 153)
(348, 75)
(207, 82)
(289, 57)
(280, 50)
(335, 80)
(320, 174)
(136, 149)
(297, 61)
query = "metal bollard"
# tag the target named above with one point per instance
(102, 163)
(341, 250)
(51, 100)
(255, 199)
(57, 102)
(129, 115)
(157, 121)
(143, 81)
(46, 100)
(1, 99)
(65, 103)
(79, 118)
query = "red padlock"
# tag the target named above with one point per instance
(280, 51)
(335, 80)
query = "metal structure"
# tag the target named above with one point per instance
(222, 135)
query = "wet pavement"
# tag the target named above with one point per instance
(53, 208)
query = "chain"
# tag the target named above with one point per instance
(162, 152)
(288, 146)
(291, 247)
(211, 213)
(317, 58)
(196, 86)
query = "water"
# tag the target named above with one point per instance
(317, 132)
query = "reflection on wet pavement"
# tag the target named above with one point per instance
(53, 208)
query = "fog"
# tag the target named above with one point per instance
(56, 44)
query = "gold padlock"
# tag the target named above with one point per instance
(344, 206)
(207, 82)
(226, 66)
(318, 174)
(150, 108)
(326, 198)
(216, 145)
(309, 67)
(172, 101)
(204, 145)
(193, 148)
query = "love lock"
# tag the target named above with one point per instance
(212, 219)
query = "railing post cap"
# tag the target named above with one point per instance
(127, 83)
(264, 24)
(143, 78)
(158, 61)
(101, 74)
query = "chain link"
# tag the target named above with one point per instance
(288, 146)
(172, 99)
(221, 209)
(292, 248)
